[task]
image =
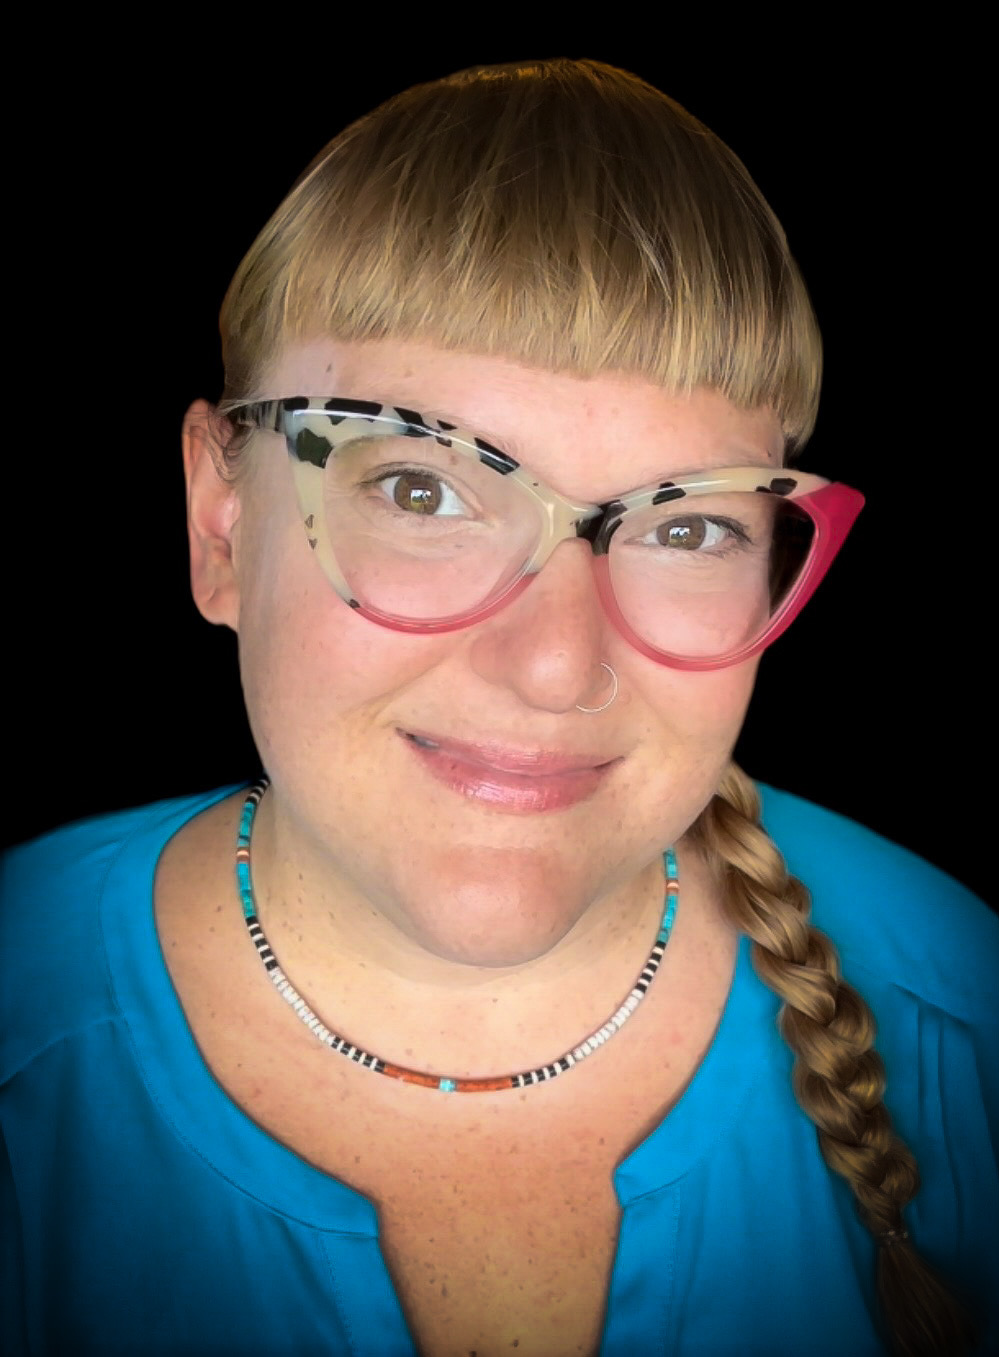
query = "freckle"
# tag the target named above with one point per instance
(357, 1158)
(444, 1292)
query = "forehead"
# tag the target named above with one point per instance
(592, 438)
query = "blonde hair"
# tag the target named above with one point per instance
(838, 1077)
(562, 213)
(569, 215)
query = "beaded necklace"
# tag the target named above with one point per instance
(444, 1085)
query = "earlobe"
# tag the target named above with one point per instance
(212, 515)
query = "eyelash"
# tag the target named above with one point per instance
(391, 472)
(738, 537)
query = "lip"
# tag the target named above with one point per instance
(506, 759)
(525, 780)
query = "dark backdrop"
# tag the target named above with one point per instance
(131, 217)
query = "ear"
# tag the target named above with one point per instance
(212, 515)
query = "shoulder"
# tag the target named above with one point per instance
(888, 911)
(74, 859)
(51, 937)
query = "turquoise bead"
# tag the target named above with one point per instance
(446, 1085)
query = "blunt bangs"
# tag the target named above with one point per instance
(561, 213)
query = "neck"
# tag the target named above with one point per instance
(374, 980)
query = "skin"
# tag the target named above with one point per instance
(469, 916)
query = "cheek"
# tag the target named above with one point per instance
(694, 722)
(692, 704)
(313, 672)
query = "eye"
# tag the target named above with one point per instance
(693, 533)
(417, 491)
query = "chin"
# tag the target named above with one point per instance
(509, 942)
(493, 917)
(487, 954)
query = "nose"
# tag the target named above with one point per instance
(548, 644)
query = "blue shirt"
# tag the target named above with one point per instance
(144, 1212)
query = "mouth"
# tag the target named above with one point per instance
(511, 779)
(506, 759)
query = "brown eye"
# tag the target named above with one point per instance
(417, 492)
(686, 533)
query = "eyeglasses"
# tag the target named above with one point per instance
(423, 527)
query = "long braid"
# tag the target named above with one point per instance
(838, 1078)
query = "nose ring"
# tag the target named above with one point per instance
(612, 696)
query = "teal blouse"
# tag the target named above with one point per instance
(143, 1212)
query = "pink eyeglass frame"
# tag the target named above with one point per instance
(314, 426)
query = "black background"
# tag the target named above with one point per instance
(146, 180)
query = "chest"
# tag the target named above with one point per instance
(498, 1224)
(521, 1261)
(498, 1219)
(498, 1228)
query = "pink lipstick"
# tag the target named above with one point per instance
(526, 780)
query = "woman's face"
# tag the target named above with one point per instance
(449, 848)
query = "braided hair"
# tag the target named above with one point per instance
(838, 1077)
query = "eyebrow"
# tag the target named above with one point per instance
(509, 446)
(741, 457)
(473, 426)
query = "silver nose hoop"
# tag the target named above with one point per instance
(613, 695)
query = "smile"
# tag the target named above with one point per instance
(517, 780)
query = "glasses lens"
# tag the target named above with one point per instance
(422, 530)
(702, 577)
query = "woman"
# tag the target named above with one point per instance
(498, 502)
